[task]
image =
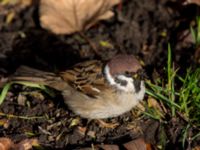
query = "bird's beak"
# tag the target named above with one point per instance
(141, 75)
(135, 76)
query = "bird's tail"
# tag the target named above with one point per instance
(27, 74)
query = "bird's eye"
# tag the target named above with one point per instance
(128, 74)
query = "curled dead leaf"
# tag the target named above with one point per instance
(69, 16)
(196, 148)
(6, 143)
(27, 144)
(153, 103)
(138, 144)
(4, 123)
(109, 147)
(74, 122)
(21, 3)
(197, 2)
(10, 16)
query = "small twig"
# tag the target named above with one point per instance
(92, 45)
(21, 117)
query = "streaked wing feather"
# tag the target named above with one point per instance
(28, 74)
(86, 77)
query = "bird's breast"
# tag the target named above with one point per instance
(119, 104)
(104, 106)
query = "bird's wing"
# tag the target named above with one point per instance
(28, 74)
(86, 77)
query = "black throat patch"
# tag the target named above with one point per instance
(137, 84)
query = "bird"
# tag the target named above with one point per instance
(94, 89)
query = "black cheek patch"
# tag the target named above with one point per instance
(121, 82)
(137, 84)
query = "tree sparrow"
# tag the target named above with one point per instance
(93, 89)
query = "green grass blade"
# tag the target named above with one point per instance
(171, 74)
(185, 133)
(159, 88)
(35, 85)
(172, 94)
(162, 97)
(30, 84)
(151, 115)
(194, 36)
(196, 136)
(169, 66)
(4, 92)
(198, 31)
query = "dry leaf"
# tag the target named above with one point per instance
(138, 144)
(10, 16)
(68, 16)
(21, 99)
(27, 144)
(109, 147)
(153, 103)
(27, 2)
(22, 3)
(6, 143)
(197, 2)
(82, 130)
(196, 148)
(4, 123)
(74, 122)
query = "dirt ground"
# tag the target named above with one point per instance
(140, 27)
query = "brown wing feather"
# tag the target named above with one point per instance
(28, 74)
(86, 77)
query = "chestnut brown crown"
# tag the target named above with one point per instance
(121, 64)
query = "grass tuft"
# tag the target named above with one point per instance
(182, 100)
(189, 98)
(196, 32)
(24, 83)
(4, 92)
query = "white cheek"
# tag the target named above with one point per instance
(108, 75)
(128, 88)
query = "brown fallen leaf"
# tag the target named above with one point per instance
(10, 16)
(25, 3)
(138, 144)
(17, 3)
(197, 2)
(196, 148)
(27, 144)
(82, 130)
(6, 143)
(4, 123)
(69, 16)
(109, 147)
(21, 99)
(153, 103)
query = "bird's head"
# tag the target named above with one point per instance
(125, 73)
